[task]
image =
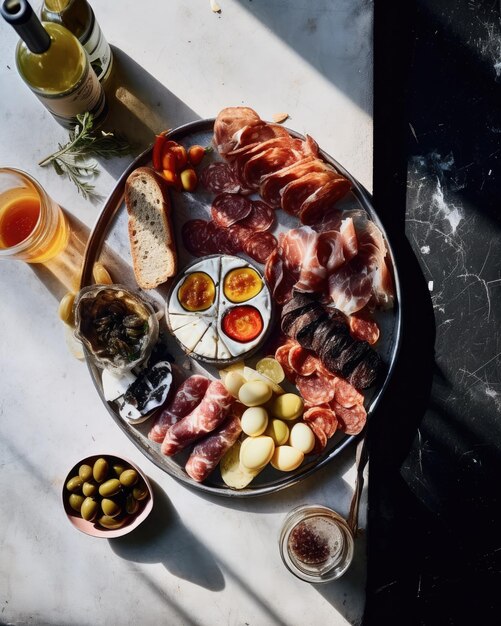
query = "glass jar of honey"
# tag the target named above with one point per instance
(33, 228)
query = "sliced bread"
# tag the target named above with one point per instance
(152, 242)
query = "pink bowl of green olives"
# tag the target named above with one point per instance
(106, 496)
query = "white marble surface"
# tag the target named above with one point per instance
(197, 559)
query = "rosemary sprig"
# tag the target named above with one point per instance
(74, 159)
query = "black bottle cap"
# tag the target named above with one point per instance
(20, 15)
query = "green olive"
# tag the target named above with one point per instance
(89, 509)
(140, 491)
(131, 505)
(129, 478)
(110, 522)
(119, 468)
(89, 489)
(76, 501)
(110, 487)
(110, 507)
(100, 470)
(74, 484)
(85, 472)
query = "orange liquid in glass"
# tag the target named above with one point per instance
(18, 219)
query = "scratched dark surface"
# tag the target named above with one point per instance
(434, 537)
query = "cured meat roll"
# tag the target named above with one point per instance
(187, 397)
(204, 418)
(208, 452)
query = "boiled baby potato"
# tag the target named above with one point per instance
(234, 367)
(278, 431)
(254, 393)
(302, 438)
(254, 421)
(233, 473)
(233, 381)
(286, 458)
(287, 407)
(256, 452)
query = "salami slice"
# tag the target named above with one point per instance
(260, 219)
(237, 236)
(324, 417)
(301, 361)
(363, 328)
(229, 208)
(282, 356)
(218, 178)
(351, 420)
(186, 398)
(260, 246)
(346, 394)
(194, 234)
(316, 389)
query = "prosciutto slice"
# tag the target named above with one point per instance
(204, 418)
(366, 277)
(300, 254)
(207, 454)
(285, 152)
(187, 397)
(254, 135)
(230, 121)
(298, 191)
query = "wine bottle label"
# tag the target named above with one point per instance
(88, 95)
(98, 51)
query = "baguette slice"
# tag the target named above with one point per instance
(152, 243)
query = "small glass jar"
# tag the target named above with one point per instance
(316, 544)
(33, 228)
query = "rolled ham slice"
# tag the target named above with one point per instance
(208, 452)
(187, 397)
(204, 418)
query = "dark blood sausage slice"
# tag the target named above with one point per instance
(316, 389)
(260, 246)
(260, 219)
(205, 417)
(219, 177)
(206, 455)
(352, 420)
(229, 208)
(366, 372)
(186, 398)
(194, 234)
(316, 206)
(306, 334)
(333, 347)
(297, 191)
(299, 300)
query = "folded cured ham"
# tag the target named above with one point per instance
(187, 397)
(203, 419)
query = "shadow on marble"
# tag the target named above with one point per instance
(329, 36)
(163, 538)
(139, 107)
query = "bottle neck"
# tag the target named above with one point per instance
(20, 15)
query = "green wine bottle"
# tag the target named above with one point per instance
(53, 64)
(78, 17)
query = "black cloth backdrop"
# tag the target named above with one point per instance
(434, 548)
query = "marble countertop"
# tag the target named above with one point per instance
(197, 559)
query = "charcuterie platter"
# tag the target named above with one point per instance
(281, 265)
